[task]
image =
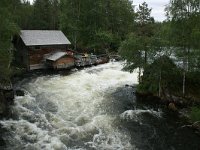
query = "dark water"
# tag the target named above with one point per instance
(91, 109)
(164, 131)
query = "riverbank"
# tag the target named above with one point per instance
(179, 105)
(180, 102)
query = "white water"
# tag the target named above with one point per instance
(135, 114)
(65, 112)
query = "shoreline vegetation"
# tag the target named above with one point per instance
(185, 107)
(168, 57)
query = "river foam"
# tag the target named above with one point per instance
(65, 112)
(136, 114)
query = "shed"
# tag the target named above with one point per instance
(34, 46)
(60, 60)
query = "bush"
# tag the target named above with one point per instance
(162, 70)
(195, 114)
(193, 84)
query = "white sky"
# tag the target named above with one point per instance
(157, 6)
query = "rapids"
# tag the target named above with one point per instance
(89, 109)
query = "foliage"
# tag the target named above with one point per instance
(193, 84)
(156, 47)
(131, 50)
(185, 23)
(184, 28)
(137, 45)
(134, 48)
(195, 114)
(7, 29)
(45, 15)
(96, 24)
(26, 16)
(144, 27)
(162, 68)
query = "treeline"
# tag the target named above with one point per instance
(91, 25)
(167, 54)
(94, 26)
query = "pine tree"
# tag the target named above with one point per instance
(41, 15)
(134, 49)
(144, 26)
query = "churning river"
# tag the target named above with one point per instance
(91, 109)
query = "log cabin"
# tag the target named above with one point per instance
(39, 49)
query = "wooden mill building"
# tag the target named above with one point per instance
(39, 49)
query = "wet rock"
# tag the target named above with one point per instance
(132, 86)
(19, 93)
(196, 125)
(2, 103)
(126, 85)
(6, 99)
(172, 107)
(149, 98)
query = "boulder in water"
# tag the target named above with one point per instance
(19, 93)
(172, 107)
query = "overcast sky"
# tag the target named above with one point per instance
(157, 6)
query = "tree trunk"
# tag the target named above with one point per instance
(187, 65)
(75, 42)
(160, 79)
(184, 83)
(139, 75)
(145, 57)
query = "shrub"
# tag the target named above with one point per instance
(195, 114)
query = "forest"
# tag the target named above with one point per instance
(167, 54)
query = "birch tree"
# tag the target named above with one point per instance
(184, 15)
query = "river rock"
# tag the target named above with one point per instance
(196, 125)
(2, 103)
(172, 106)
(19, 92)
